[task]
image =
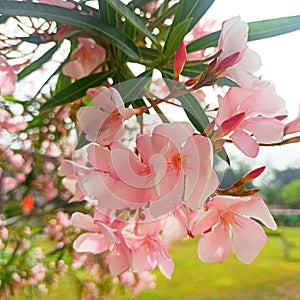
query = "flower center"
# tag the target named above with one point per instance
(177, 162)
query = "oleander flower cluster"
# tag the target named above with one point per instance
(96, 158)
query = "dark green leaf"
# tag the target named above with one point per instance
(193, 9)
(194, 111)
(165, 15)
(107, 14)
(77, 89)
(74, 18)
(37, 63)
(63, 81)
(123, 10)
(223, 154)
(133, 90)
(176, 37)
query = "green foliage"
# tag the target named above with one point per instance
(291, 193)
(66, 16)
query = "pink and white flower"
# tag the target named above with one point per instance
(60, 3)
(102, 121)
(236, 60)
(85, 59)
(262, 109)
(227, 224)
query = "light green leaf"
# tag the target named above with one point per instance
(74, 18)
(269, 28)
(123, 10)
(77, 89)
(257, 30)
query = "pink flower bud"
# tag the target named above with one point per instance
(252, 175)
(179, 60)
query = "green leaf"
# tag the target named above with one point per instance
(77, 89)
(63, 81)
(210, 40)
(257, 30)
(269, 28)
(226, 81)
(193, 9)
(123, 10)
(176, 37)
(35, 65)
(131, 91)
(161, 18)
(63, 15)
(107, 14)
(223, 154)
(194, 111)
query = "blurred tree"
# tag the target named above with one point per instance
(291, 194)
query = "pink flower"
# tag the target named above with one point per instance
(9, 123)
(202, 28)
(103, 120)
(226, 225)
(120, 179)
(262, 110)
(105, 234)
(85, 59)
(293, 126)
(8, 77)
(61, 3)
(188, 159)
(236, 60)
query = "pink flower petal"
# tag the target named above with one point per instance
(245, 143)
(84, 221)
(198, 163)
(255, 208)
(176, 132)
(215, 245)
(91, 242)
(265, 130)
(205, 221)
(248, 239)
(118, 260)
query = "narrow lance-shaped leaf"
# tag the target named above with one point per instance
(77, 89)
(176, 37)
(194, 9)
(73, 18)
(123, 10)
(257, 30)
(35, 65)
(187, 9)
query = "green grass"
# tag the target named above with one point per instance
(271, 276)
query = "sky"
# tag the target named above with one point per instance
(281, 64)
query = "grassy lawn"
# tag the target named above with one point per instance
(271, 276)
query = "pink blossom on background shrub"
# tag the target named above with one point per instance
(61, 3)
(8, 77)
(85, 59)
